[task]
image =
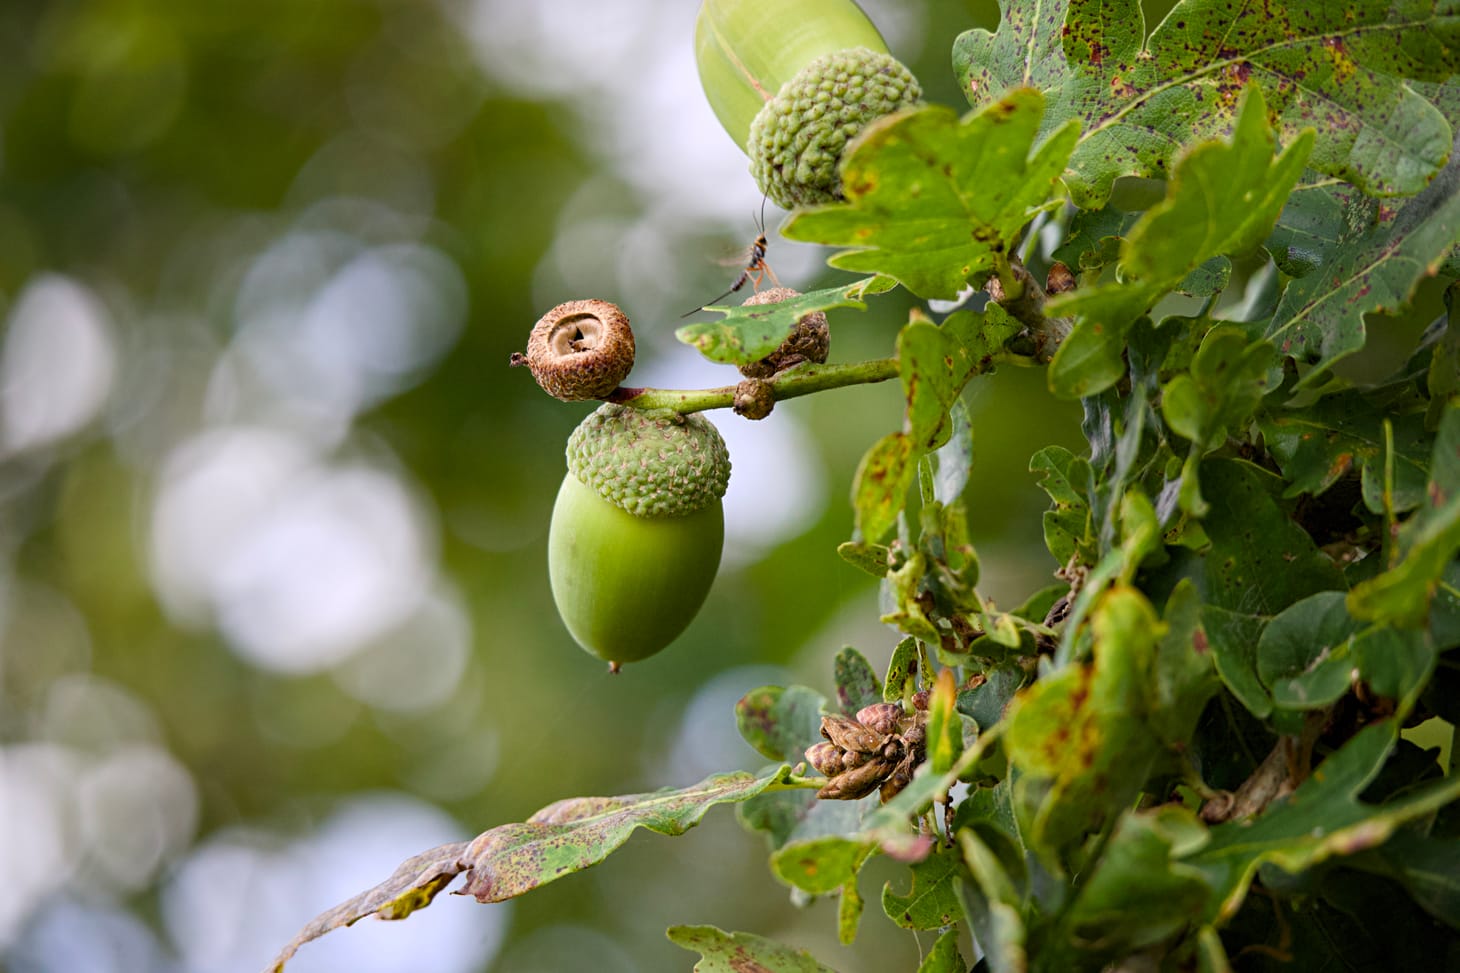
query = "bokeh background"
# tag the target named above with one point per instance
(274, 610)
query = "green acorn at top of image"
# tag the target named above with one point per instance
(637, 529)
(793, 82)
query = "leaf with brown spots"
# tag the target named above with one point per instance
(931, 902)
(748, 333)
(1338, 68)
(821, 865)
(780, 723)
(936, 362)
(742, 952)
(413, 886)
(1224, 197)
(1320, 318)
(1319, 444)
(933, 199)
(1080, 735)
(882, 481)
(857, 684)
(562, 838)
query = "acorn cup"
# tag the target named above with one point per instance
(793, 83)
(637, 529)
(579, 350)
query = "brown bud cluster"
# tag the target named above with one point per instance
(877, 751)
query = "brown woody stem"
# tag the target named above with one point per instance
(1016, 291)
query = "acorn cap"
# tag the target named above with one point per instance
(797, 139)
(650, 463)
(580, 350)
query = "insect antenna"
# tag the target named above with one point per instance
(755, 266)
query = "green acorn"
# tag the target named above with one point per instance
(637, 529)
(796, 141)
(793, 83)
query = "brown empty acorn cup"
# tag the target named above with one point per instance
(580, 350)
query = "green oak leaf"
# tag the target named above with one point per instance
(1320, 318)
(993, 906)
(742, 952)
(1428, 542)
(562, 838)
(1080, 736)
(1323, 818)
(1428, 867)
(1319, 217)
(857, 684)
(821, 865)
(1397, 663)
(1223, 198)
(1139, 892)
(1318, 444)
(1443, 379)
(1258, 562)
(1336, 68)
(986, 702)
(930, 902)
(1185, 675)
(1092, 239)
(750, 332)
(934, 368)
(902, 669)
(933, 200)
(935, 362)
(1306, 652)
(1229, 377)
(780, 723)
(879, 488)
(1067, 529)
(944, 956)
(871, 558)
(1211, 278)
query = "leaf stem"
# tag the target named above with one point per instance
(794, 382)
(792, 782)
